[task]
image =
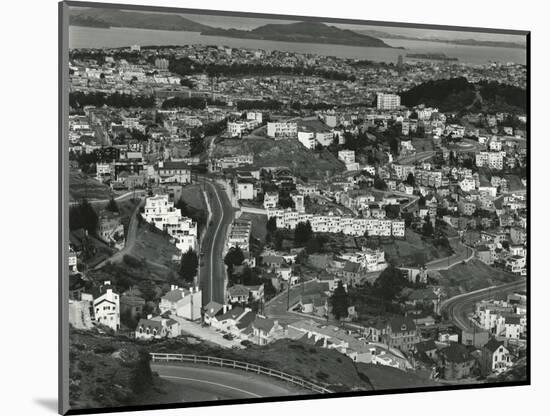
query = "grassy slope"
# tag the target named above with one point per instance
(82, 186)
(472, 276)
(258, 224)
(192, 195)
(411, 249)
(153, 246)
(288, 153)
(107, 373)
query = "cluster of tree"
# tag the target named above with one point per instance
(427, 227)
(456, 94)
(259, 105)
(189, 265)
(83, 216)
(297, 105)
(199, 103)
(503, 95)
(446, 94)
(234, 257)
(340, 302)
(302, 233)
(197, 215)
(186, 66)
(390, 283)
(112, 205)
(78, 99)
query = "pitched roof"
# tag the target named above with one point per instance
(238, 290)
(457, 353)
(246, 319)
(213, 308)
(264, 324)
(175, 295)
(493, 345)
(150, 323)
(402, 324)
(231, 314)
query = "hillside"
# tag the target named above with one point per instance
(283, 153)
(457, 94)
(307, 32)
(83, 186)
(99, 17)
(105, 372)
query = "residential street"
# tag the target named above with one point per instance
(202, 383)
(212, 271)
(458, 307)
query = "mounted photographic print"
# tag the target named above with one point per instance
(261, 207)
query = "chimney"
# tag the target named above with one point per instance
(173, 287)
(191, 289)
(224, 309)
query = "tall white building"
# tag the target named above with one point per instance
(161, 212)
(107, 308)
(387, 101)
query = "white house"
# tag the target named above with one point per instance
(282, 130)
(245, 190)
(271, 200)
(182, 302)
(107, 308)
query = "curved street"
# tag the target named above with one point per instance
(458, 307)
(212, 270)
(202, 383)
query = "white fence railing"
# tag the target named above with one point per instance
(253, 368)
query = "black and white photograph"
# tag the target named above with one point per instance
(267, 207)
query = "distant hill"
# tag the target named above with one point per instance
(98, 17)
(468, 42)
(457, 94)
(307, 32)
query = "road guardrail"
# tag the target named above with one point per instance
(253, 368)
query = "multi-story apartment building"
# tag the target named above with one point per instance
(491, 160)
(387, 101)
(282, 130)
(162, 213)
(335, 224)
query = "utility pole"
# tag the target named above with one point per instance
(288, 297)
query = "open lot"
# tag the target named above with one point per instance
(410, 251)
(154, 246)
(192, 195)
(258, 224)
(472, 276)
(82, 186)
(283, 153)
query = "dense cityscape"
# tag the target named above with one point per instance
(335, 224)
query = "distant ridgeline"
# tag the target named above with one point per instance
(308, 32)
(457, 94)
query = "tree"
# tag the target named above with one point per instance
(302, 232)
(189, 265)
(427, 228)
(390, 283)
(234, 257)
(379, 183)
(83, 216)
(410, 179)
(340, 302)
(313, 245)
(112, 205)
(271, 225)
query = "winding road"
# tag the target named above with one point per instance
(212, 271)
(458, 307)
(202, 383)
